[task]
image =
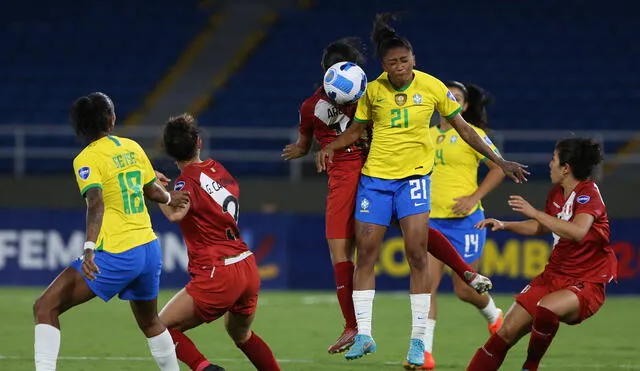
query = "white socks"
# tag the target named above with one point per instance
(420, 306)
(490, 312)
(46, 347)
(164, 352)
(428, 335)
(363, 305)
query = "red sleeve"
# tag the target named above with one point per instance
(186, 184)
(589, 201)
(307, 117)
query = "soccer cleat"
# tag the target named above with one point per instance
(479, 282)
(362, 345)
(415, 356)
(494, 327)
(213, 367)
(429, 363)
(344, 342)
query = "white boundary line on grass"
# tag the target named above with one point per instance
(293, 361)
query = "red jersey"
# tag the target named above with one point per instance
(591, 259)
(325, 121)
(210, 228)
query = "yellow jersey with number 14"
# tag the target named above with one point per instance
(121, 168)
(456, 171)
(402, 145)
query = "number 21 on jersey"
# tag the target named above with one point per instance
(399, 118)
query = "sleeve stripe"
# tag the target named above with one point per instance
(151, 181)
(451, 115)
(92, 185)
(361, 120)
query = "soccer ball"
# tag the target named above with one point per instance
(345, 82)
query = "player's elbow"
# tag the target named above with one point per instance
(578, 235)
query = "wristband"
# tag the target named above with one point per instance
(169, 199)
(90, 245)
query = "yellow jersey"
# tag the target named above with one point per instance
(402, 145)
(455, 173)
(121, 168)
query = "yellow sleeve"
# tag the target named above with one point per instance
(447, 105)
(88, 173)
(363, 111)
(487, 140)
(147, 167)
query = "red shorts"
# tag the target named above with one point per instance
(591, 295)
(232, 288)
(341, 199)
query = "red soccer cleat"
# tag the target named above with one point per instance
(344, 342)
(429, 363)
(494, 327)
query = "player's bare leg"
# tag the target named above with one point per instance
(559, 306)
(66, 291)
(257, 351)
(341, 251)
(158, 337)
(517, 323)
(415, 241)
(483, 302)
(179, 316)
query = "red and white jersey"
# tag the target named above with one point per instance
(324, 120)
(591, 259)
(210, 228)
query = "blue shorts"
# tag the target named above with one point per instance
(467, 240)
(133, 274)
(379, 200)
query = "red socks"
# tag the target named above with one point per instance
(440, 247)
(545, 326)
(258, 352)
(344, 290)
(490, 356)
(187, 351)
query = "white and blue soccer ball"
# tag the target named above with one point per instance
(345, 82)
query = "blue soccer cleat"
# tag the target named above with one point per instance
(415, 356)
(363, 345)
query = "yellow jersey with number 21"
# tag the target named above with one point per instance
(121, 168)
(402, 144)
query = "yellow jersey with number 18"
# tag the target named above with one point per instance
(121, 168)
(402, 145)
(456, 171)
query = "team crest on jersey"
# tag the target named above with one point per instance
(440, 139)
(453, 139)
(583, 199)
(401, 99)
(450, 96)
(178, 186)
(84, 172)
(364, 205)
(417, 98)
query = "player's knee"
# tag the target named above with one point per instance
(366, 256)
(417, 257)
(239, 335)
(151, 326)
(43, 307)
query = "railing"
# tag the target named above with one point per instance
(14, 147)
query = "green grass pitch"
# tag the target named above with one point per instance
(299, 326)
